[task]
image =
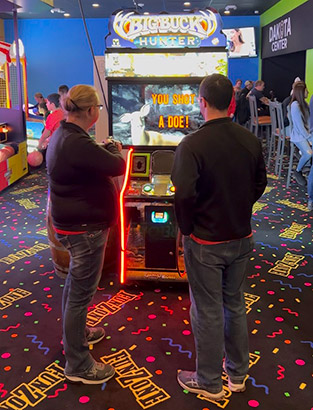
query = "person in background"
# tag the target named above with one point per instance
(53, 120)
(43, 110)
(237, 89)
(84, 204)
(286, 102)
(232, 107)
(261, 101)
(242, 113)
(299, 118)
(213, 205)
(63, 89)
(39, 98)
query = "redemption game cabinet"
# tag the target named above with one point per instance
(13, 134)
(153, 67)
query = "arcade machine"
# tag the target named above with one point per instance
(154, 65)
(13, 151)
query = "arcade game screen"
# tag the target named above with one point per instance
(154, 114)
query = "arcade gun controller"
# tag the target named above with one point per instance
(151, 243)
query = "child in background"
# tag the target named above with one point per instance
(53, 120)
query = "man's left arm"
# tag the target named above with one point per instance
(184, 176)
(261, 178)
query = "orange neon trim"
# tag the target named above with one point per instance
(23, 63)
(7, 85)
(122, 214)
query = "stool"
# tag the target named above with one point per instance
(292, 151)
(256, 121)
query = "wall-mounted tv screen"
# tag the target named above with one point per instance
(241, 42)
(157, 114)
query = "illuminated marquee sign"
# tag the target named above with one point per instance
(129, 29)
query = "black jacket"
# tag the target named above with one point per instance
(242, 108)
(83, 195)
(219, 173)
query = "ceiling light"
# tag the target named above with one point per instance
(256, 12)
(231, 7)
(187, 3)
(96, 5)
(66, 14)
(226, 12)
(146, 13)
(57, 10)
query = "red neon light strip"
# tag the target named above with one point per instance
(122, 215)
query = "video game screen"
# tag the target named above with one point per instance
(158, 114)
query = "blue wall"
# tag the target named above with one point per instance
(244, 68)
(57, 51)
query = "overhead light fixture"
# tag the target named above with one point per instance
(66, 14)
(187, 3)
(231, 7)
(146, 13)
(57, 10)
(96, 5)
(256, 12)
(226, 12)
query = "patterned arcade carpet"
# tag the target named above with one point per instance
(148, 332)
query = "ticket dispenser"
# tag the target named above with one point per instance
(152, 246)
(161, 226)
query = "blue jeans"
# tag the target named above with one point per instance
(86, 260)
(216, 276)
(310, 184)
(306, 152)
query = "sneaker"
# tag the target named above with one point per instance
(99, 373)
(235, 386)
(299, 178)
(188, 381)
(310, 205)
(95, 335)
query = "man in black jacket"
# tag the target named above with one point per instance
(219, 173)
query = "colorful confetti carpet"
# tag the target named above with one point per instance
(147, 324)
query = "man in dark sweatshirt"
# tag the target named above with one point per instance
(219, 173)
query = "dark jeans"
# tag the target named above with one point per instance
(86, 260)
(216, 276)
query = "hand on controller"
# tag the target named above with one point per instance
(112, 141)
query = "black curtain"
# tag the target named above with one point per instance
(279, 73)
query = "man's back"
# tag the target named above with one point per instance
(223, 175)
